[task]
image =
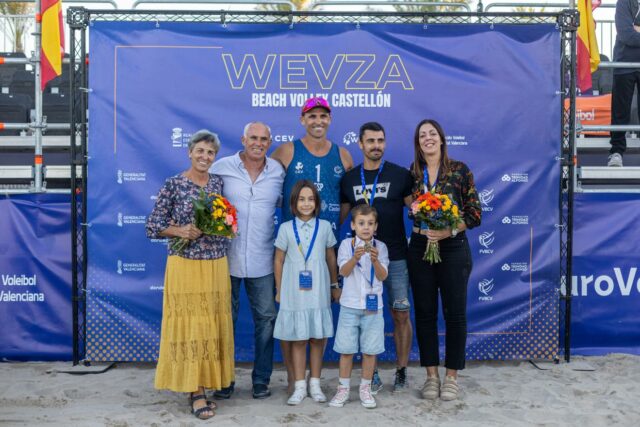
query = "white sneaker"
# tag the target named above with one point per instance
(366, 398)
(431, 388)
(316, 392)
(341, 397)
(450, 389)
(297, 397)
(615, 160)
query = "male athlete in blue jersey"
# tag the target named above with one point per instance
(315, 158)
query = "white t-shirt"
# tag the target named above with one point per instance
(356, 285)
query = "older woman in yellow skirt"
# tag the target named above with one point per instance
(196, 342)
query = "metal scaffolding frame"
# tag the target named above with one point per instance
(80, 18)
(571, 21)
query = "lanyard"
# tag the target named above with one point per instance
(375, 184)
(425, 180)
(313, 240)
(353, 251)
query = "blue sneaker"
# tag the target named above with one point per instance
(225, 393)
(376, 383)
(401, 379)
(261, 391)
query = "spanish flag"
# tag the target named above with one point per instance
(52, 40)
(588, 53)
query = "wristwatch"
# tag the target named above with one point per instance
(454, 232)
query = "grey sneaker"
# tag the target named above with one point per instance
(615, 160)
(449, 390)
(431, 388)
(400, 382)
(376, 383)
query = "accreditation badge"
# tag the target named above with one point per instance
(305, 280)
(371, 303)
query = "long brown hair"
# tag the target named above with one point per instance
(295, 193)
(418, 160)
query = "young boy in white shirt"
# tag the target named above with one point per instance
(364, 263)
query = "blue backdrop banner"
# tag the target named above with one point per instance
(35, 269)
(606, 280)
(493, 87)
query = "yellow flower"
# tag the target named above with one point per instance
(220, 228)
(454, 209)
(217, 213)
(445, 207)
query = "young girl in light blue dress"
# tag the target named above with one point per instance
(304, 268)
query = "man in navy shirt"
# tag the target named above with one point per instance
(387, 187)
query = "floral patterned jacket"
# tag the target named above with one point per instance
(458, 183)
(173, 207)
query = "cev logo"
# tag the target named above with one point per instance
(283, 138)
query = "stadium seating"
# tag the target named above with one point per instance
(23, 82)
(14, 109)
(56, 108)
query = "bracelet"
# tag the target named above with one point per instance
(335, 285)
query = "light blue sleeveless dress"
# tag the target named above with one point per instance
(304, 314)
(325, 172)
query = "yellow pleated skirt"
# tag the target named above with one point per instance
(196, 341)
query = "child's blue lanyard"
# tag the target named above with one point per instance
(313, 240)
(353, 251)
(425, 180)
(375, 184)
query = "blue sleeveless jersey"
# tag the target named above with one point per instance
(325, 172)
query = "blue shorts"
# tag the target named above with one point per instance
(356, 326)
(396, 286)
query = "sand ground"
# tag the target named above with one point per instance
(512, 393)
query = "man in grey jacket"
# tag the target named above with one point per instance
(625, 80)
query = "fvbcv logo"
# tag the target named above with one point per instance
(486, 196)
(486, 240)
(485, 286)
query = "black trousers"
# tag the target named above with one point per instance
(621, 99)
(449, 278)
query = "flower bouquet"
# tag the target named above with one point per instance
(214, 216)
(439, 213)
